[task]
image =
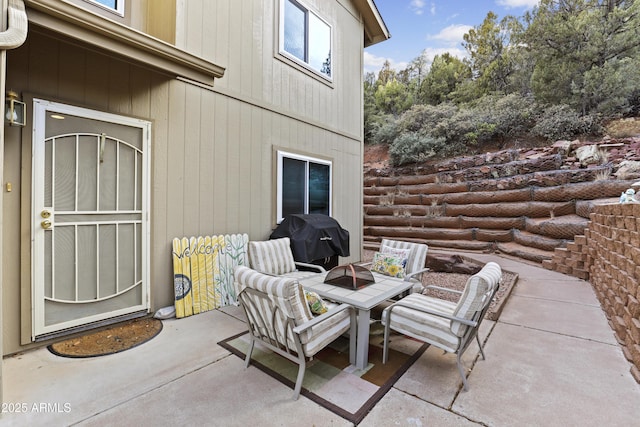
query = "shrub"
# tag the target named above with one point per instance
(424, 118)
(513, 114)
(412, 147)
(634, 103)
(562, 122)
(461, 127)
(384, 130)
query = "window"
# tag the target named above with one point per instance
(305, 38)
(112, 5)
(304, 185)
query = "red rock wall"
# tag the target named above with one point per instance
(493, 202)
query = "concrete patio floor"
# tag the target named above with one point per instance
(552, 360)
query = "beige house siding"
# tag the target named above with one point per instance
(244, 40)
(212, 149)
(154, 17)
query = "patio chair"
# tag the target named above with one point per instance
(416, 260)
(279, 318)
(416, 254)
(274, 257)
(447, 325)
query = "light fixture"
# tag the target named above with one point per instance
(14, 110)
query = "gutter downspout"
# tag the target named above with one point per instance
(14, 23)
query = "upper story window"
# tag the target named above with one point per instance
(305, 37)
(116, 6)
(304, 185)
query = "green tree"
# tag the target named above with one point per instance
(446, 74)
(393, 98)
(370, 107)
(609, 89)
(386, 74)
(488, 45)
(577, 42)
(414, 74)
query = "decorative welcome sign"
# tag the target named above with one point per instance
(203, 271)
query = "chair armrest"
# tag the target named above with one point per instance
(410, 275)
(318, 268)
(440, 288)
(432, 312)
(319, 319)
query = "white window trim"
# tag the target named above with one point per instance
(282, 52)
(119, 10)
(284, 154)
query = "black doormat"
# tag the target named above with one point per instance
(114, 339)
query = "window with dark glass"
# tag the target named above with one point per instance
(306, 37)
(304, 185)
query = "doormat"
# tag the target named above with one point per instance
(330, 380)
(114, 339)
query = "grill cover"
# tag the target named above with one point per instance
(313, 236)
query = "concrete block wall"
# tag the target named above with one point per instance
(572, 260)
(613, 249)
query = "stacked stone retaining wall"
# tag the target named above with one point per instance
(491, 202)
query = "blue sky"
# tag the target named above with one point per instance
(436, 26)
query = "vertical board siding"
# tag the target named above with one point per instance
(120, 90)
(207, 162)
(212, 162)
(174, 180)
(191, 135)
(159, 112)
(72, 65)
(244, 39)
(97, 78)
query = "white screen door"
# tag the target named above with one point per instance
(90, 221)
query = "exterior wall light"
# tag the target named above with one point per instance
(15, 110)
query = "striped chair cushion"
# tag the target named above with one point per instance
(287, 294)
(417, 257)
(423, 326)
(298, 274)
(320, 335)
(476, 293)
(272, 256)
(493, 273)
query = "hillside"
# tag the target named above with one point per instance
(521, 201)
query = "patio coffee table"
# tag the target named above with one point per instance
(363, 300)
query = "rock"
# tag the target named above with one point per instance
(563, 145)
(451, 264)
(628, 169)
(588, 154)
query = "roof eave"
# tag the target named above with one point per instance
(120, 40)
(375, 30)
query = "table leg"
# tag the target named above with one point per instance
(362, 347)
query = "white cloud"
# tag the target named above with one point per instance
(431, 52)
(418, 6)
(451, 35)
(433, 8)
(373, 63)
(512, 4)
